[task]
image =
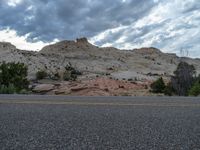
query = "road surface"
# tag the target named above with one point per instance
(99, 123)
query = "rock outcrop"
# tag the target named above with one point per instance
(82, 40)
(138, 64)
(101, 86)
(43, 88)
(6, 46)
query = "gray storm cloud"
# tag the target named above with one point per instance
(49, 19)
(165, 24)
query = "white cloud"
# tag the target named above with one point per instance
(170, 26)
(14, 3)
(20, 41)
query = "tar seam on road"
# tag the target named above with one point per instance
(99, 103)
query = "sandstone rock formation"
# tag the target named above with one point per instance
(141, 65)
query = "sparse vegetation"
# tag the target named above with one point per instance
(41, 75)
(67, 75)
(55, 76)
(71, 73)
(10, 89)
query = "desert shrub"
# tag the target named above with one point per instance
(56, 76)
(10, 89)
(73, 77)
(13, 75)
(71, 73)
(195, 89)
(158, 86)
(67, 76)
(183, 78)
(25, 91)
(76, 72)
(41, 75)
(169, 91)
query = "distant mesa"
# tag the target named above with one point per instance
(68, 45)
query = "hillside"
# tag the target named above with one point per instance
(143, 65)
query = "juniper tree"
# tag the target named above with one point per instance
(183, 78)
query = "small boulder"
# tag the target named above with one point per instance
(42, 88)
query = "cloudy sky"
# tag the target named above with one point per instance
(170, 25)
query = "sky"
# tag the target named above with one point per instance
(170, 25)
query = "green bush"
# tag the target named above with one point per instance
(195, 90)
(169, 91)
(158, 86)
(13, 75)
(41, 75)
(10, 89)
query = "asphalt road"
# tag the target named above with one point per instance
(99, 123)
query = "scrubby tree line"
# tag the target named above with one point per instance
(183, 83)
(13, 77)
